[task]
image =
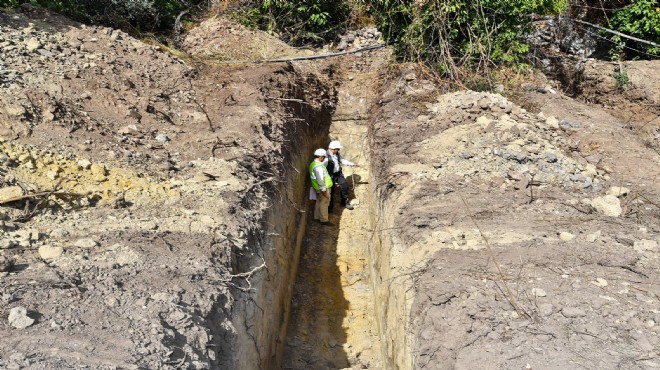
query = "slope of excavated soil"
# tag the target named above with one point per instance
(155, 197)
(500, 247)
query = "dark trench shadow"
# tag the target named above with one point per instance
(316, 337)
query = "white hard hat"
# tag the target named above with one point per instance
(320, 152)
(335, 145)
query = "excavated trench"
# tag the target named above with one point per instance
(319, 305)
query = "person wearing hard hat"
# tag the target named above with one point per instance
(321, 183)
(334, 161)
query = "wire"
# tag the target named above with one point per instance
(626, 47)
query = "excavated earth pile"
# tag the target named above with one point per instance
(510, 239)
(151, 211)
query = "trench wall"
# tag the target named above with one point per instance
(392, 290)
(260, 317)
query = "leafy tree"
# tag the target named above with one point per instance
(454, 35)
(640, 19)
(305, 22)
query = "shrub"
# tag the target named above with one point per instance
(450, 35)
(640, 19)
(304, 22)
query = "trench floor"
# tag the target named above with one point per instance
(332, 324)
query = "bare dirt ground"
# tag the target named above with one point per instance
(506, 251)
(147, 183)
(151, 211)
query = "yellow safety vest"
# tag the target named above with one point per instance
(327, 180)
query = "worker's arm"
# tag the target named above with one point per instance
(347, 163)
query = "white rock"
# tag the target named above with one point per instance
(590, 170)
(552, 122)
(566, 236)
(572, 312)
(84, 164)
(19, 319)
(601, 282)
(10, 192)
(538, 292)
(593, 237)
(53, 175)
(86, 243)
(608, 205)
(618, 191)
(49, 252)
(645, 245)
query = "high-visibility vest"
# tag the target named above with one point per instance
(327, 180)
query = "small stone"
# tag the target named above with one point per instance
(55, 326)
(572, 312)
(546, 309)
(618, 191)
(569, 124)
(6, 263)
(98, 169)
(10, 192)
(645, 245)
(58, 233)
(538, 292)
(566, 236)
(593, 237)
(52, 175)
(48, 252)
(32, 45)
(111, 301)
(609, 205)
(84, 164)
(162, 138)
(552, 122)
(600, 282)
(86, 243)
(19, 319)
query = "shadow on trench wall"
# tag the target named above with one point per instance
(316, 337)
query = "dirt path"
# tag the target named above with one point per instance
(333, 324)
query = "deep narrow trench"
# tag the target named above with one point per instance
(332, 323)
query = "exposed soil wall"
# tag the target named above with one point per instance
(162, 217)
(496, 247)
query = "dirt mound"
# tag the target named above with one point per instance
(510, 243)
(222, 39)
(629, 91)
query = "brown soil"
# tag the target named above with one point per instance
(498, 256)
(164, 211)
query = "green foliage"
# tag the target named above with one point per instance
(8, 3)
(298, 22)
(452, 34)
(642, 20)
(621, 78)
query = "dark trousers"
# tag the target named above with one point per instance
(338, 179)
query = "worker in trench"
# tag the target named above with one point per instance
(321, 186)
(334, 162)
